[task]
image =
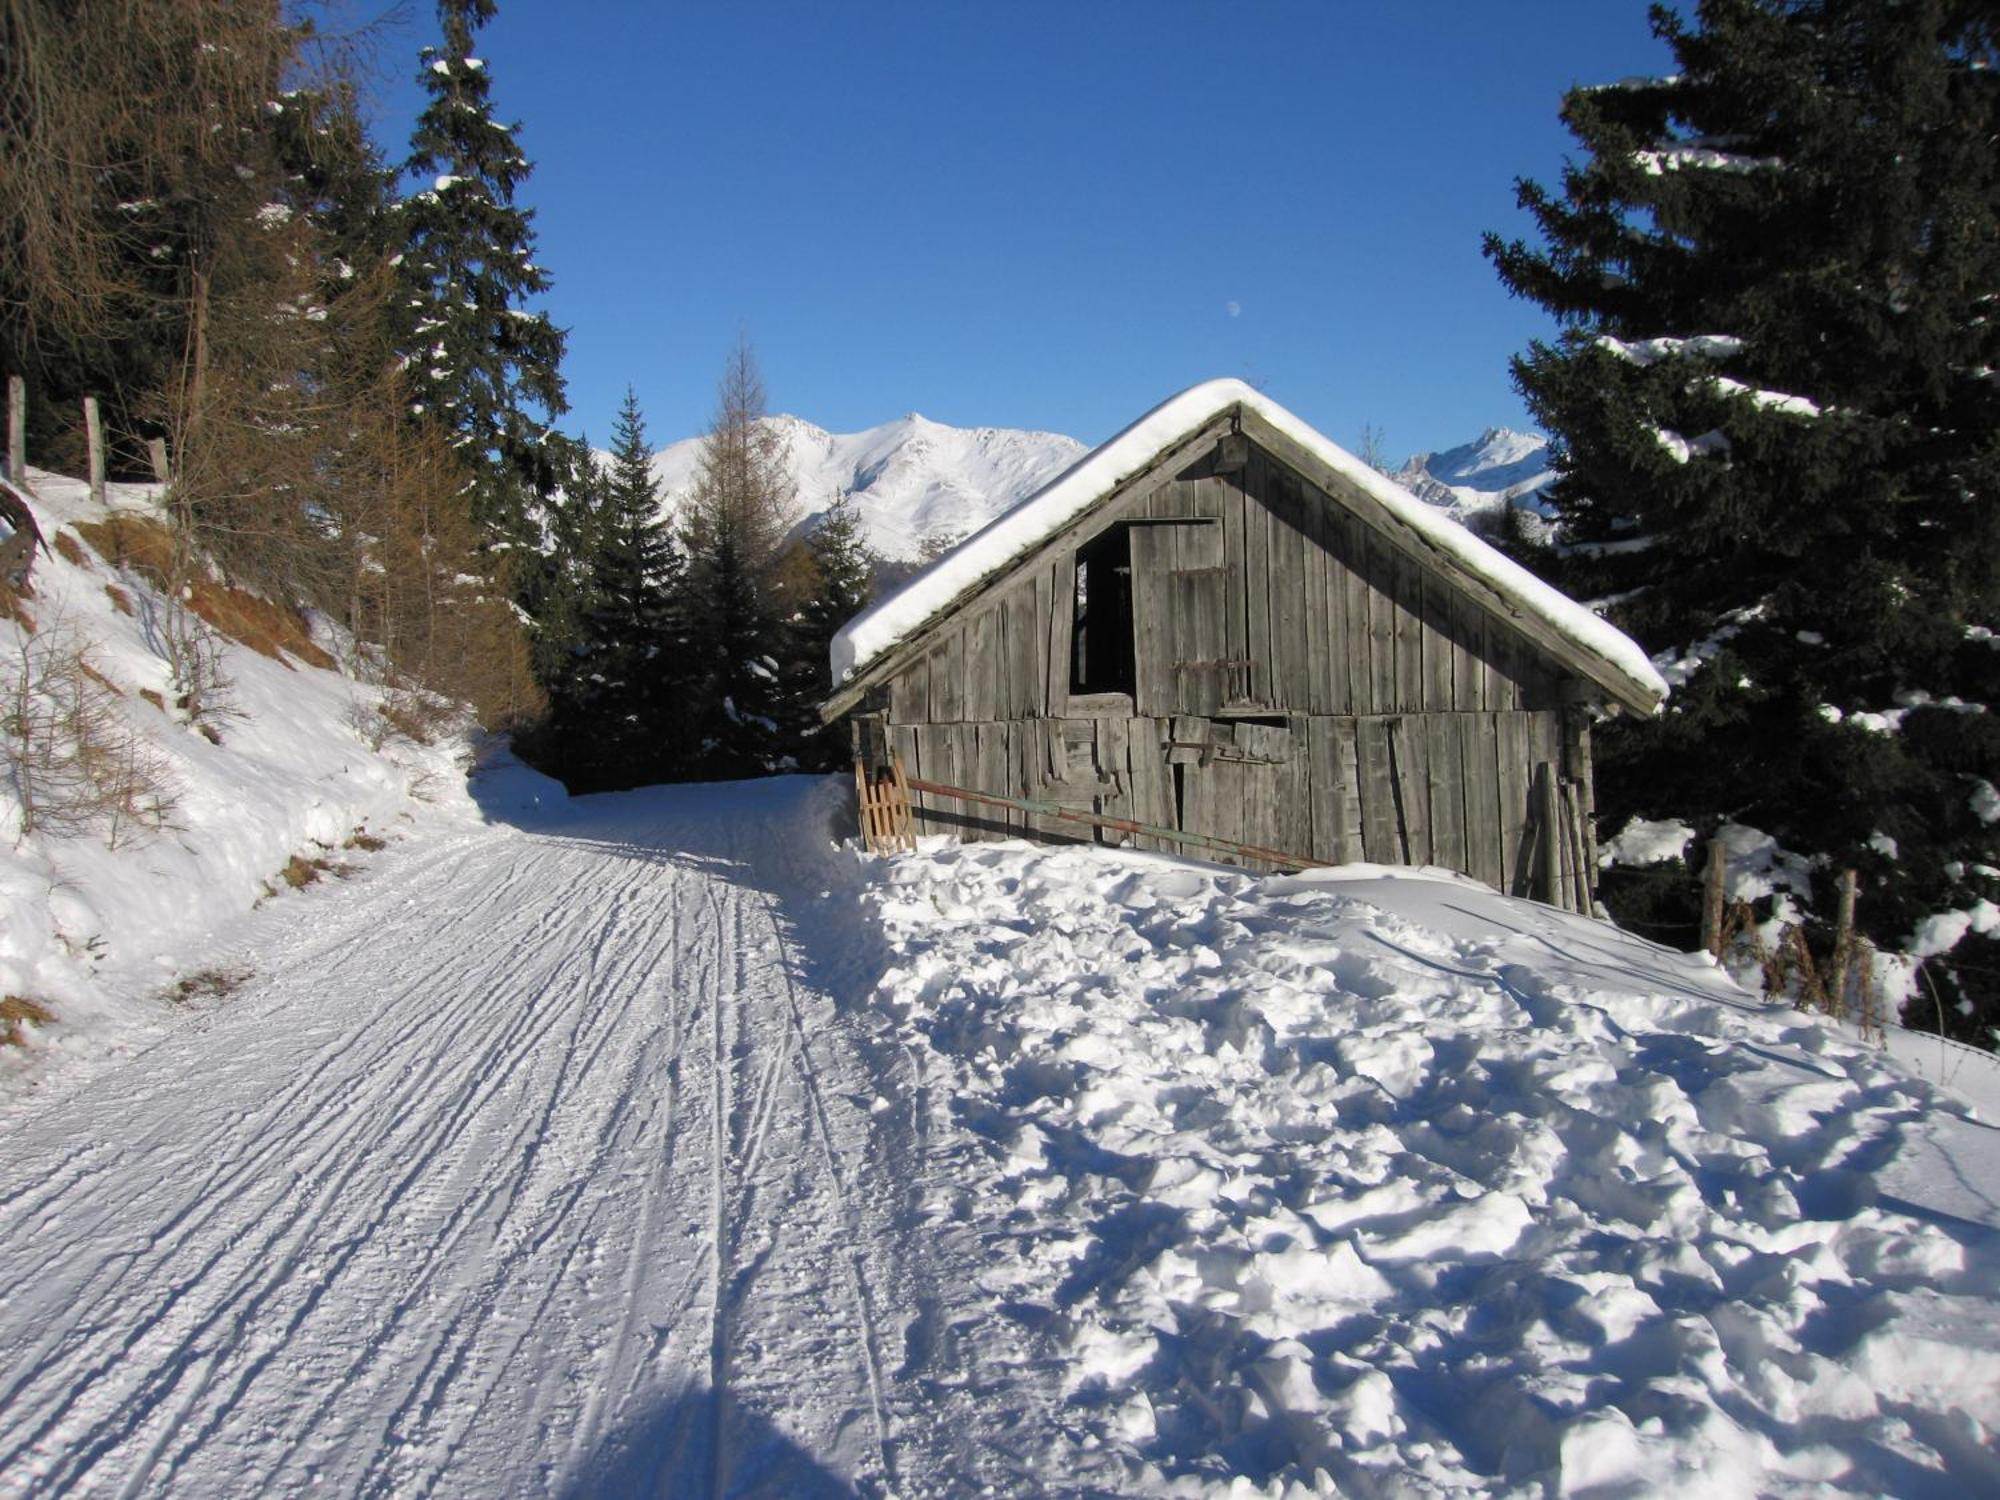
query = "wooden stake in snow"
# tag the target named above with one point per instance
(17, 429)
(93, 430)
(156, 450)
(1711, 905)
(1843, 942)
(1550, 811)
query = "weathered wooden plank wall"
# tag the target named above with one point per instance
(1356, 704)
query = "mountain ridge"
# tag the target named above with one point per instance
(920, 484)
(1501, 469)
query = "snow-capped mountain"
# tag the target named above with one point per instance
(917, 481)
(1501, 469)
(913, 479)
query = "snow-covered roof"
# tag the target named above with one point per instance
(897, 616)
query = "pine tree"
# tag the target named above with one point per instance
(631, 634)
(1777, 431)
(838, 578)
(734, 525)
(565, 576)
(480, 364)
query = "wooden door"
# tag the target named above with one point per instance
(1179, 647)
(1244, 781)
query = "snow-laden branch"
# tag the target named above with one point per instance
(1648, 352)
(1679, 158)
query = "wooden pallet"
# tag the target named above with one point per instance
(886, 825)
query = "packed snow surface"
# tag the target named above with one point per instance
(654, 1143)
(892, 618)
(530, 1162)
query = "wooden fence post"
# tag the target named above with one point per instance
(156, 450)
(1843, 941)
(1711, 902)
(93, 429)
(17, 429)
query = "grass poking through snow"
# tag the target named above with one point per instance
(17, 1011)
(207, 984)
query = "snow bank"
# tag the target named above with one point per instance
(897, 615)
(1396, 1186)
(1647, 841)
(97, 934)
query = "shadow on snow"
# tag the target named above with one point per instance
(671, 1453)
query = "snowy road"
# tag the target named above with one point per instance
(534, 1161)
(647, 1145)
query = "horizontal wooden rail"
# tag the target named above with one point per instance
(1125, 825)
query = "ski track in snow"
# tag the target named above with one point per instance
(650, 1146)
(530, 1163)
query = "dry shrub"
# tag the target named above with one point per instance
(120, 600)
(191, 616)
(207, 984)
(362, 839)
(75, 763)
(12, 607)
(405, 713)
(300, 872)
(1840, 984)
(266, 628)
(417, 716)
(153, 698)
(147, 547)
(71, 550)
(16, 1011)
(138, 544)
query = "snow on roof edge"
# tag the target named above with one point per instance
(893, 618)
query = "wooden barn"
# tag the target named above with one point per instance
(1221, 624)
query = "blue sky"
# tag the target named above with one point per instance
(1038, 215)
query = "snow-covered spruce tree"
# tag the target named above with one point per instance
(479, 363)
(834, 578)
(620, 718)
(733, 526)
(1777, 430)
(564, 564)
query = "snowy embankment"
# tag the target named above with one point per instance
(1402, 1185)
(102, 918)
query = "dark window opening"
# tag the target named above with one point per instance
(1101, 658)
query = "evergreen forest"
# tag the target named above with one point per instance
(342, 349)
